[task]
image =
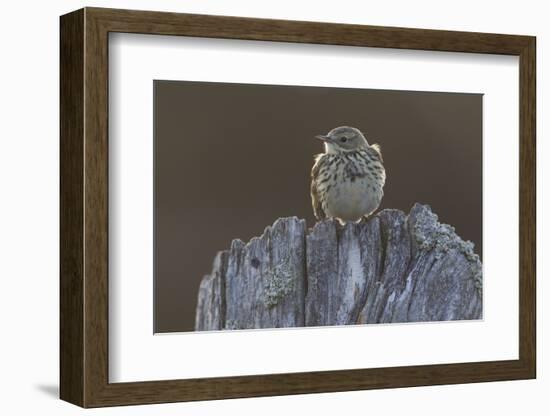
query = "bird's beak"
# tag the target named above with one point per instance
(323, 138)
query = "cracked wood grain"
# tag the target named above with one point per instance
(391, 268)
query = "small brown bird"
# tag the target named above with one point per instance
(347, 180)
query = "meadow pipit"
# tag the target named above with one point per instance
(347, 180)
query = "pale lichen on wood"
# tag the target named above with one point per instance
(391, 268)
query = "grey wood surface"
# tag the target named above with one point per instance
(392, 267)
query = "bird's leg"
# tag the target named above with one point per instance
(363, 219)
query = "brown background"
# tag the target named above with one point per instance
(232, 158)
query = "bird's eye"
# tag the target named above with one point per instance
(343, 139)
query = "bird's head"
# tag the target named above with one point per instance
(343, 139)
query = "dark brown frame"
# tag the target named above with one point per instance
(84, 214)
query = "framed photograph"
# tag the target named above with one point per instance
(255, 207)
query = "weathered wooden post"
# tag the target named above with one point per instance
(392, 268)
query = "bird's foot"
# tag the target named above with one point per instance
(363, 220)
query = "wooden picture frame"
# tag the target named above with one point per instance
(84, 207)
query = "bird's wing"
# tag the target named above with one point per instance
(376, 151)
(315, 199)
